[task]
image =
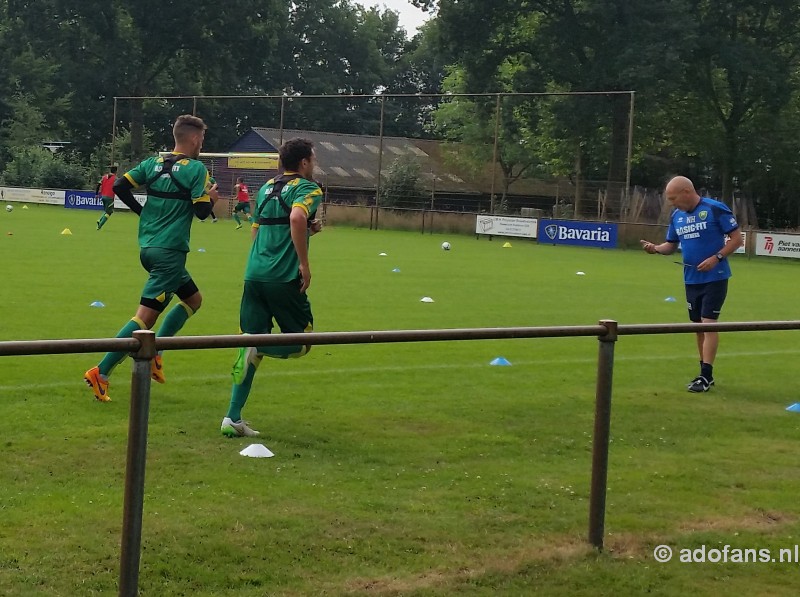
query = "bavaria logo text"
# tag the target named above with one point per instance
(565, 233)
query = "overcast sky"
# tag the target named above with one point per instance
(410, 16)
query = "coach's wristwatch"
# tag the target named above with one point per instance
(720, 257)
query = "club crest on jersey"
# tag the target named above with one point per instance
(703, 214)
(551, 231)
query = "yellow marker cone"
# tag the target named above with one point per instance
(507, 246)
(66, 231)
(24, 207)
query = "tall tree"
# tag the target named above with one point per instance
(576, 45)
(744, 63)
(485, 131)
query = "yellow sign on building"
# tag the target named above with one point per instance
(254, 162)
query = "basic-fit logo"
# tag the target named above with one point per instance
(768, 244)
(551, 231)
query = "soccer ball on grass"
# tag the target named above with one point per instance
(445, 246)
(9, 208)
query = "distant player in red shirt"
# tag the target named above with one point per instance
(105, 191)
(242, 202)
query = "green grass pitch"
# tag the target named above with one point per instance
(405, 469)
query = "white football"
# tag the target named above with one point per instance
(9, 208)
(446, 246)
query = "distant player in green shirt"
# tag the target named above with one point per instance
(178, 189)
(278, 272)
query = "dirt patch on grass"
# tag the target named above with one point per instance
(564, 549)
(758, 520)
(506, 563)
(630, 545)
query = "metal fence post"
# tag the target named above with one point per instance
(134, 473)
(602, 432)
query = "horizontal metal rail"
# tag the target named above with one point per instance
(31, 347)
(77, 346)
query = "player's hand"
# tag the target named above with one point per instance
(305, 277)
(316, 226)
(708, 264)
(648, 246)
(213, 193)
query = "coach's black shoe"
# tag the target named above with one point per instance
(700, 384)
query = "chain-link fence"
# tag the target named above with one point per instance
(560, 154)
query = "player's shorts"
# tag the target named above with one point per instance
(705, 300)
(282, 301)
(108, 204)
(168, 276)
(243, 206)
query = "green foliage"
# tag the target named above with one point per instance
(472, 123)
(708, 76)
(712, 79)
(37, 167)
(401, 186)
(100, 159)
(63, 172)
(26, 128)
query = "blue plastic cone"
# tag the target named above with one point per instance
(500, 361)
(201, 250)
(97, 304)
(670, 299)
(794, 408)
(396, 270)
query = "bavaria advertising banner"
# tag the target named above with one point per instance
(778, 245)
(582, 234)
(87, 200)
(82, 200)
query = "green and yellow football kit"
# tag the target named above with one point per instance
(272, 279)
(176, 192)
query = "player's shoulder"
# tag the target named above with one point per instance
(714, 204)
(193, 164)
(304, 185)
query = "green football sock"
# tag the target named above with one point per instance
(240, 393)
(174, 320)
(236, 217)
(112, 359)
(101, 222)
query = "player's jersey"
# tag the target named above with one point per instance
(272, 256)
(243, 194)
(701, 233)
(166, 223)
(107, 185)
